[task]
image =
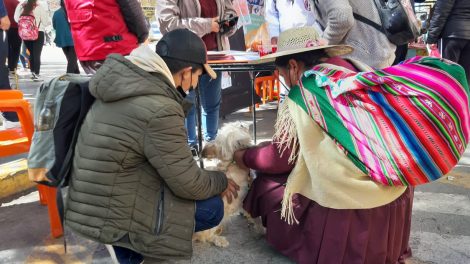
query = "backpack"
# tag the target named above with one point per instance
(27, 29)
(60, 108)
(399, 22)
(404, 125)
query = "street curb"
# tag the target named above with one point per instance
(14, 178)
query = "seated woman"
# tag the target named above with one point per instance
(316, 204)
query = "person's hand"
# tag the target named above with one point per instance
(215, 25)
(231, 192)
(238, 158)
(431, 46)
(4, 23)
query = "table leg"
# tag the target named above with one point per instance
(199, 125)
(253, 104)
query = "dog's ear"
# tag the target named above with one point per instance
(209, 151)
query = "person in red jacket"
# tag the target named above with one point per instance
(100, 28)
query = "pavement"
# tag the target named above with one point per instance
(440, 230)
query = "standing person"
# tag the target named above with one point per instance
(451, 22)
(282, 15)
(370, 45)
(14, 40)
(134, 183)
(32, 7)
(201, 17)
(11, 118)
(112, 26)
(63, 38)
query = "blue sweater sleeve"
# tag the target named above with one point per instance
(3, 10)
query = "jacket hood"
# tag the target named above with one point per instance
(143, 72)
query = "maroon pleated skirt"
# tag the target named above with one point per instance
(324, 235)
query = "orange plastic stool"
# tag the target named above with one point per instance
(49, 194)
(18, 140)
(268, 87)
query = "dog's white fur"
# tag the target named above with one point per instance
(231, 137)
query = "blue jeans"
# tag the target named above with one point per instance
(208, 214)
(211, 97)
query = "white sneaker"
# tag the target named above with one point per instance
(9, 125)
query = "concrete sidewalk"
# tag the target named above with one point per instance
(440, 225)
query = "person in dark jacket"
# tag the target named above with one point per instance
(451, 22)
(134, 183)
(63, 38)
(100, 28)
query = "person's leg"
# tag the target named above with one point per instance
(452, 49)
(127, 256)
(190, 120)
(209, 213)
(465, 60)
(4, 81)
(30, 46)
(38, 44)
(90, 67)
(14, 47)
(72, 66)
(211, 97)
(73, 61)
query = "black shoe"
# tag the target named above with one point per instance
(194, 150)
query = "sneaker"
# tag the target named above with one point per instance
(9, 124)
(36, 78)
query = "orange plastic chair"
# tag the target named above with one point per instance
(267, 87)
(18, 140)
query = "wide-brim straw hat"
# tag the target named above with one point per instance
(302, 39)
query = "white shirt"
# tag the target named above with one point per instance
(283, 14)
(40, 14)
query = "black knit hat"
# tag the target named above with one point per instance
(184, 45)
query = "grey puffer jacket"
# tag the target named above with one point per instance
(173, 14)
(134, 179)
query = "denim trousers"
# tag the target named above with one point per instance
(208, 214)
(211, 97)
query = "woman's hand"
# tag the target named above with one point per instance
(238, 158)
(215, 25)
(231, 192)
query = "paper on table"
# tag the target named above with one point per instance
(232, 55)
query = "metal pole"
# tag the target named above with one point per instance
(199, 125)
(253, 103)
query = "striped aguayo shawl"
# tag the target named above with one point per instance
(403, 125)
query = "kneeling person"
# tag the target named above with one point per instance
(134, 182)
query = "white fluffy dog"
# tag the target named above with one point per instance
(231, 137)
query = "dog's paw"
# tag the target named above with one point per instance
(220, 241)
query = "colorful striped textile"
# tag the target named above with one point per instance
(407, 124)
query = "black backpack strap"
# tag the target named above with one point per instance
(86, 101)
(369, 22)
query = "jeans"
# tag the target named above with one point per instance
(211, 97)
(4, 81)
(208, 214)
